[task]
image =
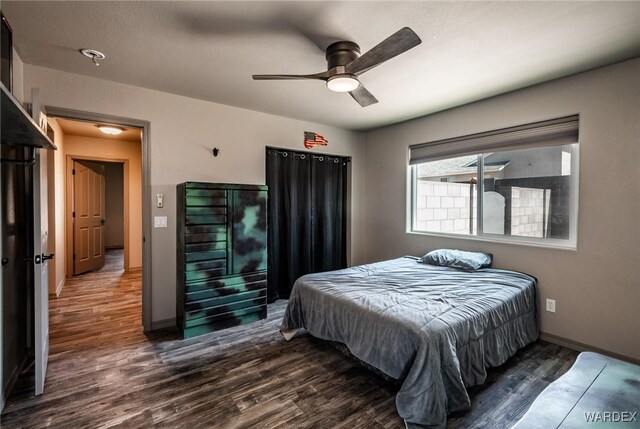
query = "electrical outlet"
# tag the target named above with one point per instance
(551, 305)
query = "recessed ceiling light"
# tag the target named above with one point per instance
(112, 131)
(94, 55)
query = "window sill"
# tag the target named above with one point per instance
(520, 241)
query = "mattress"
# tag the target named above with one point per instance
(436, 329)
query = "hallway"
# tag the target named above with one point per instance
(95, 309)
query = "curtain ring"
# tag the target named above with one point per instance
(321, 158)
(336, 161)
(285, 154)
(303, 156)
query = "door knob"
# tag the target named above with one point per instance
(102, 222)
(47, 257)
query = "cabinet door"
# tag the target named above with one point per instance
(249, 219)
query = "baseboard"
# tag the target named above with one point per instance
(116, 247)
(56, 294)
(60, 286)
(581, 347)
(161, 324)
(134, 270)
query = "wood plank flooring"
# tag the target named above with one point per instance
(105, 373)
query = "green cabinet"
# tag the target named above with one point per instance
(222, 256)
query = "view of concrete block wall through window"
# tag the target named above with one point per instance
(527, 193)
(446, 207)
(529, 211)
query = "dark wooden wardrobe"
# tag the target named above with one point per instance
(222, 256)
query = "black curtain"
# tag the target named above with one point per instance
(306, 217)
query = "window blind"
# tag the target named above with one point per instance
(552, 132)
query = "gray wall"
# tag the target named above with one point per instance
(183, 132)
(114, 202)
(597, 287)
(542, 162)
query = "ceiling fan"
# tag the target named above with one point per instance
(345, 64)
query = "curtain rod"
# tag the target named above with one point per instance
(303, 155)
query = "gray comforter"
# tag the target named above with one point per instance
(436, 329)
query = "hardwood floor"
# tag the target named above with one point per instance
(104, 372)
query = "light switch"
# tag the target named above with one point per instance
(160, 221)
(160, 201)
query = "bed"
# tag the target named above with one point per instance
(436, 329)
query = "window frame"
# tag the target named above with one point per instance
(554, 243)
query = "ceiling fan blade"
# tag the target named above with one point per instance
(363, 96)
(320, 76)
(399, 42)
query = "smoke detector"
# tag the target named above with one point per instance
(94, 55)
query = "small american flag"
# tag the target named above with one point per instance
(314, 139)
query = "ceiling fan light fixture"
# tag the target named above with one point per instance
(343, 83)
(345, 64)
(112, 131)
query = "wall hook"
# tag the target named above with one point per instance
(216, 151)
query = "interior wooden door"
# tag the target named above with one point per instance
(89, 216)
(41, 272)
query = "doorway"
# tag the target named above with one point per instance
(99, 214)
(132, 251)
(103, 195)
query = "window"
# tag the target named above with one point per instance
(519, 191)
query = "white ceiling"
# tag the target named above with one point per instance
(209, 50)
